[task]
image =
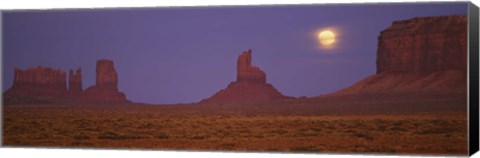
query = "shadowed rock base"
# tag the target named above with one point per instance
(245, 92)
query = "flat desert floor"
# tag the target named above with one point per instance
(209, 127)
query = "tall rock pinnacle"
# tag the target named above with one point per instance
(107, 77)
(246, 72)
(251, 85)
(75, 82)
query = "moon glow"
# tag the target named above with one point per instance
(326, 37)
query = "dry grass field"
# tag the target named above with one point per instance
(197, 127)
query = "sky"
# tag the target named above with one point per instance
(185, 54)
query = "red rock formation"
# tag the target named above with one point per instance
(424, 45)
(419, 55)
(38, 82)
(105, 90)
(75, 82)
(250, 86)
(246, 72)
(49, 85)
(106, 75)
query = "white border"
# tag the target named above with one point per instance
(49, 4)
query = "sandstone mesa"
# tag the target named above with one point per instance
(421, 55)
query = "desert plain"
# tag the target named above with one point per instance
(430, 126)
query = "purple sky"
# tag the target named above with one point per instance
(182, 55)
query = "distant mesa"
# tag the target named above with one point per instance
(49, 85)
(251, 85)
(38, 82)
(419, 55)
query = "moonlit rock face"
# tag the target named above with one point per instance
(424, 55)
(424, 45)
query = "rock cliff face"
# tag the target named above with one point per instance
(75, 83)
(105, 90)
(419, 55)
(424, 45)
(38, 82)
(250, 86)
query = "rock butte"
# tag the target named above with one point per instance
(48, 84)
(105, 89)
(419, 55)
(251, 85)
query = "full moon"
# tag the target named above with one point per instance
(326, 37)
